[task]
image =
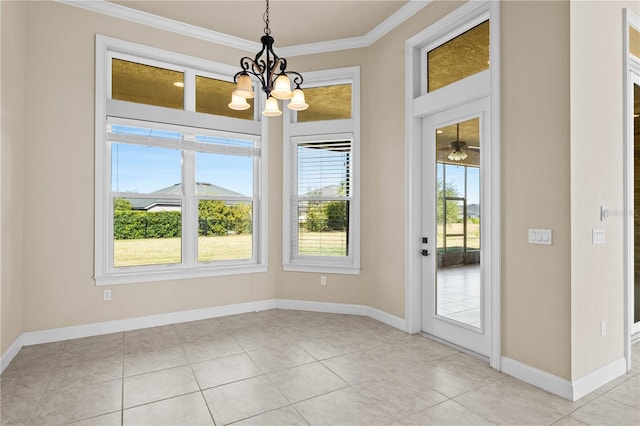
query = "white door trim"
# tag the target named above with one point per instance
(477, 340)
(413, 128)
(632, 73)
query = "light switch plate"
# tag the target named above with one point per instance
(540, 236)
(598, 236)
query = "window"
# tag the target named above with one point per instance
(321, 215)
(327, 103)
(212, 97)
(322, 197)
(460, 57)
(178, 177)
(146, 84)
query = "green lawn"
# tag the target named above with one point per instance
(473, 236)
(322, 243)
(159, 251)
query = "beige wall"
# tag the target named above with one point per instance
(553, 296)
(597, 179)
(535, 184)
(12, 85)
(58, 206)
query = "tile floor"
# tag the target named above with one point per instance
(283, 367)
(459, 293)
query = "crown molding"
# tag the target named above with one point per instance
(386, 26)
(144, 18)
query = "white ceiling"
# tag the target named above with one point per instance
(292, 22)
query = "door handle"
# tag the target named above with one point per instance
(425, 252)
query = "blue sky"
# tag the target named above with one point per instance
(143, 169)
(455, 176)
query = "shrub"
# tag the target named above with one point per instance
(132, 224)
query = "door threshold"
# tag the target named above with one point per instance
(460, 348)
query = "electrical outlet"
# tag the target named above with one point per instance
(107, 295)
(323, 280)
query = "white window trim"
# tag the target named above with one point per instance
(106, 47)
(324, 130)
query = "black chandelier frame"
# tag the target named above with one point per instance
(266, 66)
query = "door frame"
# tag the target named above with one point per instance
(631, 68)
(419, 105)
(477, 340)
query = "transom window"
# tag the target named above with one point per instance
(460, 57)
(327, 103)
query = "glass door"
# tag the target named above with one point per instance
(455, 304)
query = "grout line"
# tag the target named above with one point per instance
(354, 332)
(200, 390)
(44, 388)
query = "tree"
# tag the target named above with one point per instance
(336, 212)
(316, 217)
(241, 220)
(120, 204)
(453, 208)
(218, 218)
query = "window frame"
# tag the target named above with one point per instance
(105, 273)
(294, 133)
(439, 41)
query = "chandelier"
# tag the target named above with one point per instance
(457, 153)
(271, 72)
(458, 147)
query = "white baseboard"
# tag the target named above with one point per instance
(387, 318)
(603, 375)
(343, 308)
(327, 307)
(11, 353)
(571, 390)
(547, 381)
(86, 330)
(94, 329)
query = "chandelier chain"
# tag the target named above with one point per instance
(265, 18)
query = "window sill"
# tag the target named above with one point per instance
(176, 274)
(327, 269)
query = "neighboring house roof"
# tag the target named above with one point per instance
(326, 191)
(202, 188)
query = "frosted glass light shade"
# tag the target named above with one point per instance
(244, 88)
(271, 108)
(238, 103)
(297, 101)
(282, 88)
(457, 156)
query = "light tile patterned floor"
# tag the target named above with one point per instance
(459, 293)
(283, 367)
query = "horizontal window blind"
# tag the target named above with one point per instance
(143, 133)
(324, 169)
(323, 175)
